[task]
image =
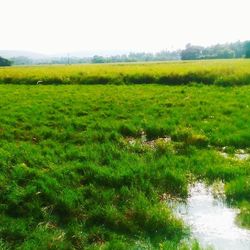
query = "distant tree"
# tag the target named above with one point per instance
(98, 59)
(238, 48)
(4, 62)
(167, 55)
(247, 49)
(191, 52)
(226, 53)
(21, 60)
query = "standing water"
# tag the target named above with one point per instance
(211, 221)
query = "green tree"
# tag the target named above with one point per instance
(247, 49)
(226, 53)
(98, 59)
(191, 52)
(4, 62)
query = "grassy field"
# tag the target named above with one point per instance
(91, 167)
(219, 72)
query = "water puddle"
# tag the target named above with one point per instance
(240, 154)
(211, 221)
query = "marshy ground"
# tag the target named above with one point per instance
(91, 167)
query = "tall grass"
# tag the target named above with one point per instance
(219, 72)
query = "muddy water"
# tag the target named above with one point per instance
(211, 221)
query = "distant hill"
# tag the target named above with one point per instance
(19, 53)
(80, 54)
(91, 53)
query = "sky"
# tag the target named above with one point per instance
(63, 26)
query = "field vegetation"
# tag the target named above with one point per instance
(91, 167)
(217, 72)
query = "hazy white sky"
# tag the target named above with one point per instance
(53, 26)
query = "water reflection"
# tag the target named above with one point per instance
(212, 222)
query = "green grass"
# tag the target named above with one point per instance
(71, 179)
(218, 72)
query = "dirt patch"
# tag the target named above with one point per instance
(143, 141)
(161, 140)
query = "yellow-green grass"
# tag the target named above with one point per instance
(220, 72)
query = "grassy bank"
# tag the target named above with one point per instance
(90, 167)
(218, 72)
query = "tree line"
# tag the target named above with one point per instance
(191, 52)
(219, 51)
